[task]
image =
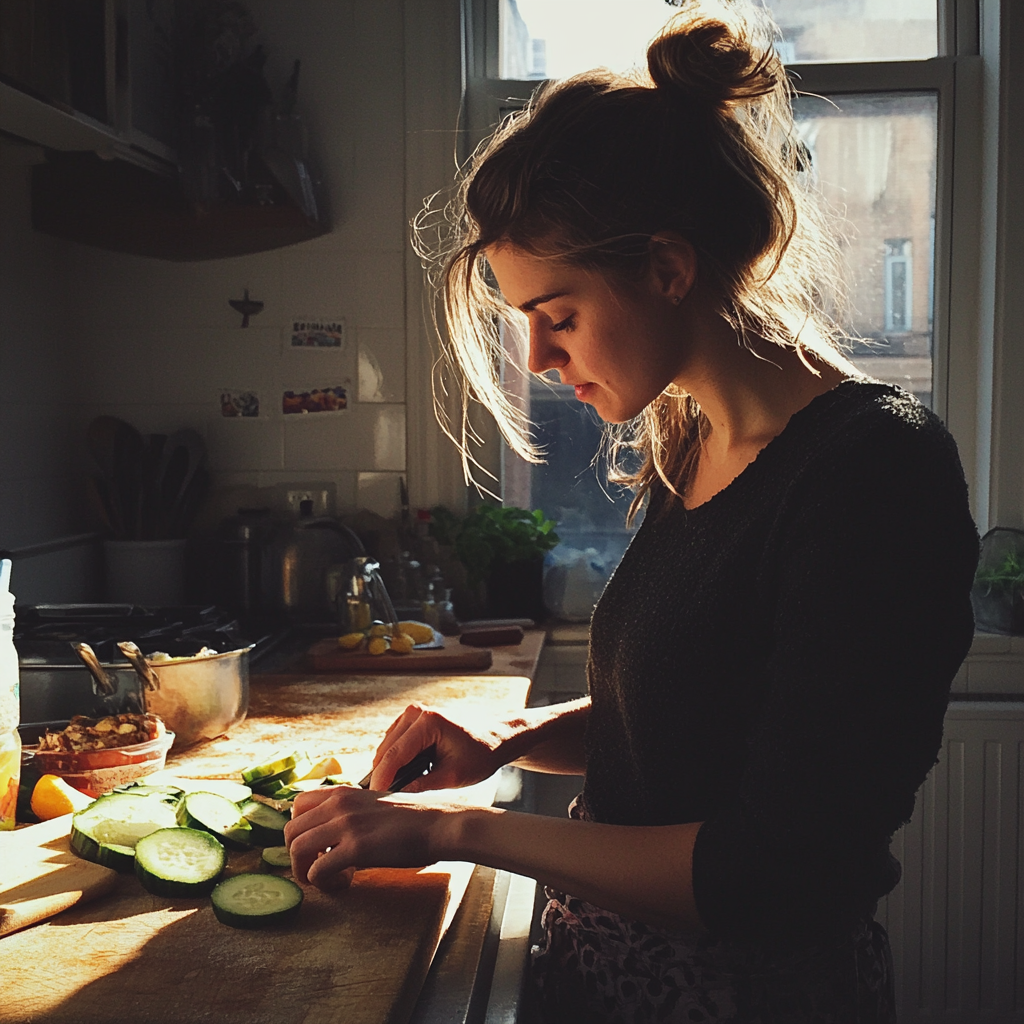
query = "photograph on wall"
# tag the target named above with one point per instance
(318, 334)
(239, 403)
(315, 400)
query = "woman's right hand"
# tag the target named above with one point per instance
(466, 754)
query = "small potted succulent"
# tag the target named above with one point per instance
(502, 547)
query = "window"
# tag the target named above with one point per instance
(899, 285)
(888, 85)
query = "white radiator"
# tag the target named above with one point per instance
(956, 920)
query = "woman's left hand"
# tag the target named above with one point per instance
(335, 829)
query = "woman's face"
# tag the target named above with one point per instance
(619, 344)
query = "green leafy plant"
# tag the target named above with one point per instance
(493, 533)
(1008, 575)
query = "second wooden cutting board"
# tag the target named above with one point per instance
(42, 877)
(326, 656)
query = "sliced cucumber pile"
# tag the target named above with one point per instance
(217, 815)
(272, 778)
(179, 862)
(255, 901)
(267, 824)
(108, 830)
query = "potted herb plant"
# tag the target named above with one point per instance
(502, 547)
(998, 594)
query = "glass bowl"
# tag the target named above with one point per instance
(96, 772)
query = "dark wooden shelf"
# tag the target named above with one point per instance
(115, 205)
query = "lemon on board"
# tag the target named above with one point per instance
(52, 797)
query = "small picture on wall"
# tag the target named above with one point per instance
(239, 403)
(318, 334)
(329, 399)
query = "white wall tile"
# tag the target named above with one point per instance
(114, 290)
(319, 284)
(362, 437)
(389, 438)
(380, 493)
(381, 365)
(381, 290)
(114, 365)
(195, 365)
(245, 444)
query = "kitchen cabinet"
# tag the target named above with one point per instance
(358, 955)
(92, 85)
(120, 206)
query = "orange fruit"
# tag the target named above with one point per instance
(53, 797)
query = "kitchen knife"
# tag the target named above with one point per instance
(419, 766)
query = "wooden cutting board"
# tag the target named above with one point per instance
(42, 877)
(357, 956)
(326, 656)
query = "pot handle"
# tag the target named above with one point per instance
(145, 671)
(102, 683)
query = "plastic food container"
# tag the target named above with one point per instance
(99, 771)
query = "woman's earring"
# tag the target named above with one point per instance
(676, 299)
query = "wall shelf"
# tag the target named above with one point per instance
(113, 204)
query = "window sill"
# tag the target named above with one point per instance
(994, 665)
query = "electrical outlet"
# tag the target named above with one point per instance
(321, 498)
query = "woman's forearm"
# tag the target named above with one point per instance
(551, 739)
(641, 872)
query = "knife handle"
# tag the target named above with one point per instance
(419, 766)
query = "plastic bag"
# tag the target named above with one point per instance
(573, 581)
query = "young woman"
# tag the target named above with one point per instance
(770, 663)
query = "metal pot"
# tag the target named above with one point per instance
(198, 698)
(301, 555)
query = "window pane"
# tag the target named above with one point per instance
(874, 160)
(591, 514)
(557, 38)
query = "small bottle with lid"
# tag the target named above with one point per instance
(10, 704)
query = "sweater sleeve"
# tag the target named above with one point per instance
(867, 590)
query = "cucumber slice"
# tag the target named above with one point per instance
(255, 901)
(179, 862)
(227, 788)
(109, 828)
(169, 794)
(277, 857)
(217, 815)
(275, 766)
(267, 824)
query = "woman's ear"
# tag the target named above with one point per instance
(673, 265)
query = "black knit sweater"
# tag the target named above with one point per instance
(776, 663)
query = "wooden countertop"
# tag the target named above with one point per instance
(356, 956)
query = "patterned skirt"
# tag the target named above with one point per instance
(595, 967)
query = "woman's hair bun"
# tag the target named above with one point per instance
(716, 54)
